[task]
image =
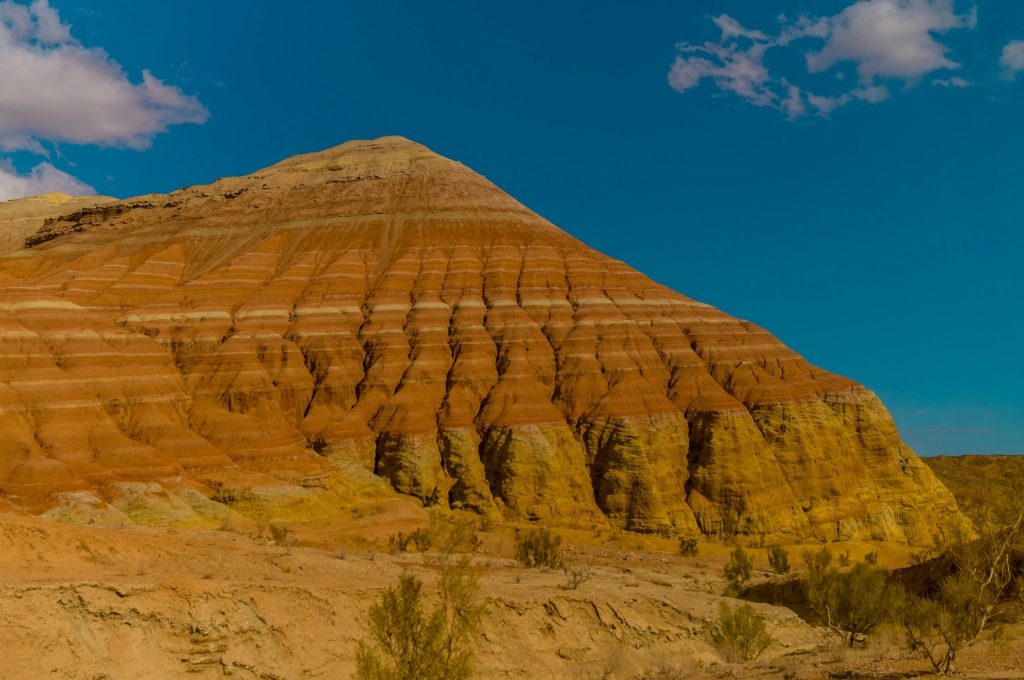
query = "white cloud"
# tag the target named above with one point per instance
(890, 39)
(873, 94)
(885, 40)
(1012, 59)
(43, 179)
(53, 89)
(955, 81)
(741, 71)
(793, 104)
(732, 29)
(826, 105)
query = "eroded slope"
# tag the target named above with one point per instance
(257, 343)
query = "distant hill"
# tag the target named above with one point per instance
(973, 478)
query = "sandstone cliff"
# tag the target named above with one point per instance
(266, 344)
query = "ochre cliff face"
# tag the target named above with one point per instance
(263, 344)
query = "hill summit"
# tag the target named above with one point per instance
(280, 342)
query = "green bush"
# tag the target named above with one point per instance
(985, 580)
(851, 603)
(578, 570)
(414, 541)
(447, 535)
(536, 548)
(688, 547)
(408, 641)
(452, 534)
(280, 534)
(741, 633)
(738, 571)
(939, 627)
(778, 559)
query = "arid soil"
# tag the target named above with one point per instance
(87, 602)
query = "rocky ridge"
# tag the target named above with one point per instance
(271, 345)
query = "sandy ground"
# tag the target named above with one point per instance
(95, 603)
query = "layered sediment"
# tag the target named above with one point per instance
(258, 343)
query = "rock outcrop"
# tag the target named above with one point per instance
(266, 342)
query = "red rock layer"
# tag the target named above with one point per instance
(378, 306)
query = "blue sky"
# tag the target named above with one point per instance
(846, 173)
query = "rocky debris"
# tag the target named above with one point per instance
(80, 220)
(21, 218)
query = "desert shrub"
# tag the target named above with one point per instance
(730, 526)
(414, 541)
(778, 559)
(820, 578)
(280, 534)
(688, 547)
(844, 558)
(536, 548)
(671, 667)
(787, 667)
(409, 641)
(447, 535)
(487, 523)
(938, 628)
(986, 573)
(605, 666)
(871, 558)
(886, 642)
(463, 612)
(835, 653)
(578, 570)
(452, 534)
(852, 603)
(741, 633)
(738, 571)
(920, 556)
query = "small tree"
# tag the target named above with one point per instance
(939, 628)
(578, 570)
(865, 600)
(778, 559)
(450, 534)
(741, 633)
(410, 642)
(688, 547)
(820, 582)
(462, 611)
(852, 603)
(414, 541)
(986, 571)
(407, 639)
(738, 571)
(282, 536)
(538, 548)
(730, 526)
